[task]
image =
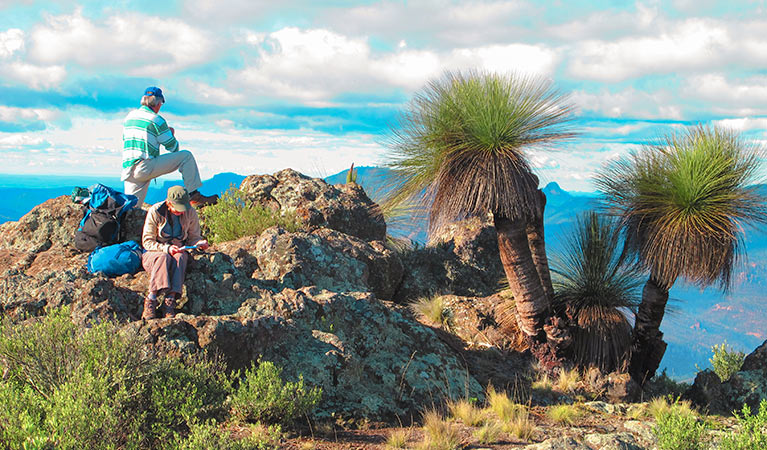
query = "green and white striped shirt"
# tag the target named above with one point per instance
(143, 133)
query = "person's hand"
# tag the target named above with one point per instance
(172, 131)
(173, 249)
(202, 245)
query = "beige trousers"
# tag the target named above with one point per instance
(146, 170)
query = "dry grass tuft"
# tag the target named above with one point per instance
(568, 381)
(543, 383)
(564, 414)
(489, 433)
(467, 413)
(521, 425)
(439, 434)
(434, 310)
(398, 438)
(662, 406)
(501, 405)
(308, 445)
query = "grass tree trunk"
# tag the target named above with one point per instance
(532, 304)
(648, 346)
(537, 243)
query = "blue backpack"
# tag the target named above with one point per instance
(101, 222)
(115, 260)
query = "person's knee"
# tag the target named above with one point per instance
(187, 155)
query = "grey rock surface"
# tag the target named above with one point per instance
(345, 207)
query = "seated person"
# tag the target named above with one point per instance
(169, 226)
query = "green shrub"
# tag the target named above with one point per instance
(725, 361)
(186, 391)
(68, 387)
(21, 418)
(679, 429)
(262, 396)
(750, 433)
(234, 217)
(210, 436)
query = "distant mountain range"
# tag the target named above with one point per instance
(697, 319)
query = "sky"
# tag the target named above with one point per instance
(255, 86)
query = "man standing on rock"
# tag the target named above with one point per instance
(144, 130)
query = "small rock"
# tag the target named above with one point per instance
(613, 441)
(562, 443)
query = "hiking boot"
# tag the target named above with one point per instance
(169, 306)
(150, 309)
(197, 199)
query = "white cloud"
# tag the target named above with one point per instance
(314, 65)
(11, 41)
(11, 114)
(443, 23)
(743, 123)
(728, 96)
(16, 141)
(214, 95)
(136, 44)
(693, 44)
(605, 24)
(717, 88)
(663, 46)
(227, 12)
(629, 103)
(506, 58)
(34, 76)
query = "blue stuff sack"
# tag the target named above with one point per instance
(115, 260)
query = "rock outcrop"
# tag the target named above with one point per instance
(310, 301)
(462, 260)
(344, 207)
(747, 386)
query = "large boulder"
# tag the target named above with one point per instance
(747, 386)
(344, 207)
(371, 360)
(329, 260)
(461, 259)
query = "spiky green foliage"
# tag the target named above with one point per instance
(597, 286)
(461, 146)
(683, 203)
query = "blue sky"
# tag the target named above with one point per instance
(254, 87)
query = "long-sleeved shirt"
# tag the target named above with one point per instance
(158, 233)
(144, 131)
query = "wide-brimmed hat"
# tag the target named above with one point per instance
(179, 198)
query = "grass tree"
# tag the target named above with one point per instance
(597, 288)
(462, 147)
(683, 205)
